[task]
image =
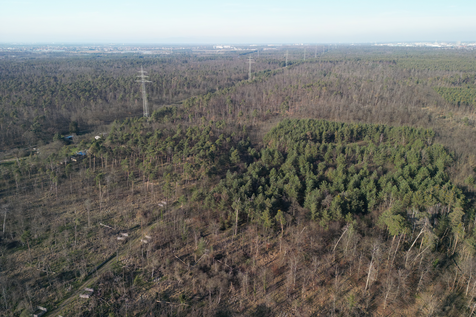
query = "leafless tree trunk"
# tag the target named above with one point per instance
(388, 288)
(236, 219)
(87, 204)
(335, 246)
(370, 267)
(4, 218)
(408, 252)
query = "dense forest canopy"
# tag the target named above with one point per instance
(342, 184)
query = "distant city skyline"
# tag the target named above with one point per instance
(211, 21)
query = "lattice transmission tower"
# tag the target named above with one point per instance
(143, 80)
(249, 70)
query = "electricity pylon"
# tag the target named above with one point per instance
(143, 80)
(249, 70)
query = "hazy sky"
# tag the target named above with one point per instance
(245, 21)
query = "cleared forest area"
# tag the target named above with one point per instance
(338, 185)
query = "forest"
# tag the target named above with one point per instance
(338, 184)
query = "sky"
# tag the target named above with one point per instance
(245, 21)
